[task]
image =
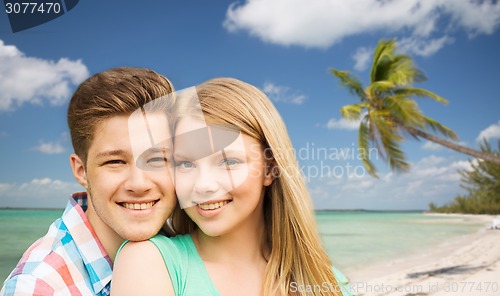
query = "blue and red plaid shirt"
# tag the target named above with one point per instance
(68, 260)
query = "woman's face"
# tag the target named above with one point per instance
(220, 175)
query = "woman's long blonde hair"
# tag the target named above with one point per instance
(297, 258)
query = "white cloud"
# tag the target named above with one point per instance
(362, 58)
(431, 160)
(42, 193)
(464, 164)
(431, 146)
(345, 124)
(423, 47)
(33, 80)
(50, 148)
(431, 179)
(491, 132)
(323, 23)
(283, 94)
(477, 17)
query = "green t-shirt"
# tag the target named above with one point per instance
(187, 270)
(185, 267)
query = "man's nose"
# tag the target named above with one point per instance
(138, 180)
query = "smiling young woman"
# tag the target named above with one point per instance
(245, 218)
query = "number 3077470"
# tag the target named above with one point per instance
(33, 8)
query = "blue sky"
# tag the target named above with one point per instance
(283, 47)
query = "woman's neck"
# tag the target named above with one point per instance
(247, 244)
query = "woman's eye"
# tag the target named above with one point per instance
(184, 164)
(230, 162)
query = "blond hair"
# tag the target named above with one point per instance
(297, 255)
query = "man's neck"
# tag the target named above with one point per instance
(109, 239)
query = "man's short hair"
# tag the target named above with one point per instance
(117, 91)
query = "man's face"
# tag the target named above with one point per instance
(126, 200)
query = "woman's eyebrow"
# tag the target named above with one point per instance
(163, 150)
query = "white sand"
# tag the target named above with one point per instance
(469, 265)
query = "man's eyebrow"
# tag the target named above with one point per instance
(117, 152)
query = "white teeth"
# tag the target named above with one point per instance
(138, 206)
(213, 206)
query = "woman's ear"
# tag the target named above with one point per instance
(78, 168)
(270, 173)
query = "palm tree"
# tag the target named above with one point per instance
(389, 111)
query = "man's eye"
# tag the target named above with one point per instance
(114, 162)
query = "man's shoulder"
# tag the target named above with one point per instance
(54, 264)
(26, 284)
(68, 260)
(45, 266)
(45, 250)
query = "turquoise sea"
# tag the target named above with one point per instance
(353, 239)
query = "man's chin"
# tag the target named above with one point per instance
(142, 236)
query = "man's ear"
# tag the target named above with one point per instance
(78, 168)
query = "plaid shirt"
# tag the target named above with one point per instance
(68, 260)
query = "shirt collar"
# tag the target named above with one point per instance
(95, 258)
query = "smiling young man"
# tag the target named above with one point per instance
(123, 200)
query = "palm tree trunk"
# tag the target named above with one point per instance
(462, 149)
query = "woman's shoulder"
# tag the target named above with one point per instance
(339, 276)
(141, 262)
(180, 241)
(179, 249)
(343, 282)
(129, 248)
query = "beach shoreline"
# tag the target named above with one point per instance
(467, 265)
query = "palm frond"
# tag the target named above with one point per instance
(389, 138)
(388, 64)
(419, 92)
(383, 120)
(384, 50)
(378, 87)
(353, 111)
(404, 111)
(350, 82)
(403, 72)
(363, 147)
(438, 127)
(393, 112)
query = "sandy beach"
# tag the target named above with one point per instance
(469, 265)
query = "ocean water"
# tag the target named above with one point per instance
(359, 239)
(352, 239)
(18, 230)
